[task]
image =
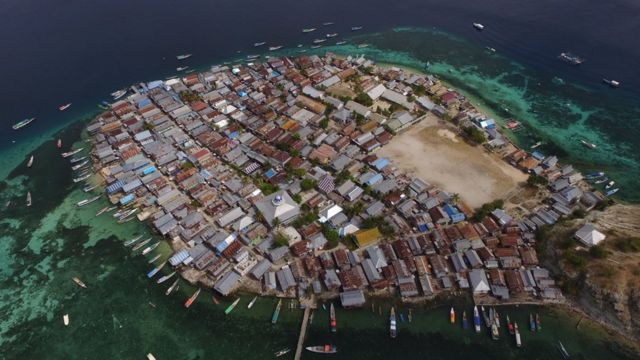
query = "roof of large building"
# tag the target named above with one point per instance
(366, 237)
(278, 205)
(589, 236)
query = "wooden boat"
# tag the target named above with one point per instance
(323, 349)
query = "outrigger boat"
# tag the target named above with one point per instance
(71, 153)
(231, 307)
(132, 241)
(153, 259)
(155, 270)
(79, 282)
(140, 245)
(276, 312)
(281, 352)
(165, 278)
(81, 178)
(253, 301)
(150, 248)
(171, 288)
(192, 298)
(323, 349)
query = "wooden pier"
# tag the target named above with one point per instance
(303, 332)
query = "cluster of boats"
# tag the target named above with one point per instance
(316, 43)
(599, 178)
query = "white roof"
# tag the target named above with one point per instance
(589, 236)
(376, 92)
(330, 211)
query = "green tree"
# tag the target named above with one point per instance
(324, 123)
(535, 180)
(307, 184)
(475, 134)
(364, 99)
(455, 197)
(487, 208)
(280, 239)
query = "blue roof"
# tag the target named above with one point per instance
(269, 174)
(127, 199)
(374, 179)
(115, 187)
(423, 227)
(381, 163)
(155, 84)
(537, 155)
(221, 246)
(149, 170)
(144, 102)
(178, 257)
(457, 217)
(242, 93)
(234, 135)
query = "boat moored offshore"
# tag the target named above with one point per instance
(231, 307)
(183, 56)
(191, 299)
(571, 58)
(517, 335)
(79, 282)
(323, 349)
(476, 319)
(332, 318)
(88, 201)
(276, 312)
(150, 248)
(308, 30)
(71, 153)
(452, 316)
(172, 287)
(22, 123)
(259, 43)
(64, 107)
(612, 83)
(478, 26)
(166, 277)
(253, 301)
(30, 162)
(588, 144)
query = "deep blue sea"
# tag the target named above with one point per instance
(55, 52)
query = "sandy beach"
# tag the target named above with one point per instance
(435, 153)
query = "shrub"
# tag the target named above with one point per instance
(598, 252)
(631, 244)
(280, 239)
(364, 99)
(475, 134)
(535, 180)
(307, 184)
(487, 208)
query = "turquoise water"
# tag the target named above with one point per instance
(43, 247)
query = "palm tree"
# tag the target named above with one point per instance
(455, 197)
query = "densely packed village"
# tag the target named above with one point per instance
(264, 176)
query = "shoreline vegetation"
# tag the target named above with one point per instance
(321, 152)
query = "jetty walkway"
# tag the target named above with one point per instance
(303, 332)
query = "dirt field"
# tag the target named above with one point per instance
(434, 153)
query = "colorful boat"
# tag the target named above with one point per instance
(155, 270)
(393, 330)
(476, 319)
(276, 312)
(332, 319)
(231, 307)
(517, 335)
(192, 298)
(465, 323)
(452, 316)
(323, 349)
(509, 326)
(532, 323)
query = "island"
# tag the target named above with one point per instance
(322, 177)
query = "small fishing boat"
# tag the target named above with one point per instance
(341, 42)
(65, 319)
(327, 23)
(132, 241)
(532, 323)
(536, 144)
(260, 43)
(282, 352)
(517, 335)
(612, 191)
(401, 317)
(465, 323)
(323, 349)
(184, 56)
(30, 162)
(22, 123)
(332, 318)
(140, 245)
(79, 282)
(314, 47)
(308, 30)
(332, 35)
(612, 83)
(610, 184)
(155, 270)
(191, 299)
(319, 41)
(356, 28)
(153, 259)
(59, 143)
(274, 48)
(410, 316)
(393, 330)
(182, 68)
(76, 160)
(78, 166)
(497, 318)
(452, 316)
(602, 180)
(362, 46)
(64, 107)
(231, 307)
(150, 248)
(171, 288)
(495, 334)
(88, 201)
(165, 278)
(478, 26)
(253, 301)
(28, 198)
(563, 351)
(276, 312)
(588, 144)
(88, 188)
(476, 319)
(119, 93)
(215, 300)
(593, 175)
(487, 320)
(489, 48)
(81, 178)
(71, 153)
(538, 324)
(509, 325)
(150, 356)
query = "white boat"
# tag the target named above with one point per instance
(64, 107)
(184, 56)
(150, 356)
(612, 83)
(88, 201)
(327, 23)
(332, 35)
(319, 41)
(88, 188)
(71, 153)
(536, 144)
(274, 48)
(30, 162)
(588, 144)
(22, 123)
(133, 241)
(172, 287)
(28, 198)
(76, 160)
(118, 94)
(253, 301)
(78, 166)
(356, 28)
(153, 259)
(610, 184)
(478, 26)
(362, 46)
(81, 178)
(259, 43)
(282, 352)
(140, 245)
(341, 42)
(612, 191)
(491, 49)
(166, 277)
(65, 319)
(150, 248)
(182, 68)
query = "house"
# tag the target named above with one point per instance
(589, 236)
(366, 237)
(352, 298)
(278, 205)
(479, 282)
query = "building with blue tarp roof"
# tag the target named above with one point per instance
(144, 102)
(234, 135)
(154, 84)
(127, 199)
(149, 170)
(537, 155)
(380, 163)
(242, 93)
(454, 214)
(115, 187)
(374, 179)
(178, 257)
(270, 173)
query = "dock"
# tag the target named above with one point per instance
(303, 332)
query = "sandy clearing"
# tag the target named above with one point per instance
(434, 153)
